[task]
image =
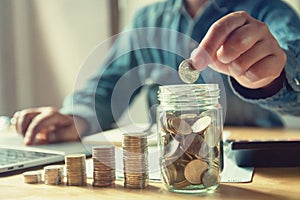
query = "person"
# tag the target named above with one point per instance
(254, 45)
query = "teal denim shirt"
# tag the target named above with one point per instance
(148, 52)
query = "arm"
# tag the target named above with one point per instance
(257, 54)
(94, 102)
(92, 108)
(85, 111)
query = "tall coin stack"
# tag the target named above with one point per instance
(135, 159)
(53, 174)
(76, 170)
(104, 166)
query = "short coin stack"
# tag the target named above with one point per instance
(104, 166)
(135, 159)
(53, 174)
(32, 177)
(76, 170)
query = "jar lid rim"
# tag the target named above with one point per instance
(210, 85)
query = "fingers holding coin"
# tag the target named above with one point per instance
(240, 46)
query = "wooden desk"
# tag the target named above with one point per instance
(268, 184)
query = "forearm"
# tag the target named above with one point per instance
(285, 101)
(283, 94)
(81, 125)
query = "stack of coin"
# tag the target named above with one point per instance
(32, 177)
(75, 169)
(104, 166)
(190, 150)
(135, 159)
(53, 174)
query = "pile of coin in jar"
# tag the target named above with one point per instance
(135, 159)
(190, 151)
(104, 166)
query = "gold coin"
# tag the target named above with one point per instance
(75, 169)
(32, 177)
(181, 185)
(180, 126)
(192, 143)
(135, 160)
(194, 170)
(53, 174)
(180, 172)
(169, 173)
(104, 165)
(75, 156)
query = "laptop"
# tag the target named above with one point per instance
(15, 156)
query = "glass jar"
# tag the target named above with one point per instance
(190, 127)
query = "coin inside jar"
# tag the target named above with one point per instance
(210, 178)
(186, 72)
(171, 148)
(201, 124)
(194, 170)
(192, 143)
(180, 126)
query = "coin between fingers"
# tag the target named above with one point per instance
(186, 72)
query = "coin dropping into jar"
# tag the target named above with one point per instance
(187, 73)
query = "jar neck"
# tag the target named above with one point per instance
(189, 96)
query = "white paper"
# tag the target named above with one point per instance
(232, 173)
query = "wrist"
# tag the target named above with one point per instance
(260, 93)
(81, 125)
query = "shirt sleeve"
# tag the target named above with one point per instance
(284, 24)
(99, 102)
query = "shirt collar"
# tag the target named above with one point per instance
(177, 5)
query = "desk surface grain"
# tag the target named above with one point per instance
(267, 184)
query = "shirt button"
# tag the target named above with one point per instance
(297, 79)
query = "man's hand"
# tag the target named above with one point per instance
(45, 125)
(242, 47)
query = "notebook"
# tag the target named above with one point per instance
(271, 149)
(15, 156)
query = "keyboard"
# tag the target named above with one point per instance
(13, 158)
(10, 156)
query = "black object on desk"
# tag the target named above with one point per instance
(266, 153)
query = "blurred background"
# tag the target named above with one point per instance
(44, 42)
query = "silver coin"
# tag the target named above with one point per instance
(210, 178)
(186, 72)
